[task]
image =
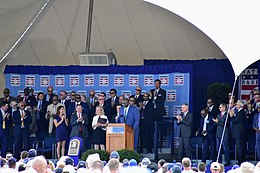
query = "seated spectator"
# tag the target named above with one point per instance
(132, 162)
(39, 164)
(146, 161)
(113, 165)
(202, 167)
(186, 163)
(176, 169)
(11, 166)
(152, 167)
(215, 167)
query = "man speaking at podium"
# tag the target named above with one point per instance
(130, 115)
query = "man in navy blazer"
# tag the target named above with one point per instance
(21, 120)
(130, 115)
(4, 126)
(138, 96)
(48, 97)
(111, 104)
(208, 132)
(158, 96)
(73, 106)
(185, 121)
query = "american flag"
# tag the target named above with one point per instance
(15, 80)
(45, 81)
(89, 80)
(59, 81)
(30, 80)
(126, 93)
(119, 80)
(133, 80)
(178, 79)
(249, 82)
(171, 95)
(164, 79)
(148, 80)
(103, 80)
(74, 80)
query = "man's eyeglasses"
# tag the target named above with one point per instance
(73, 95)
(112, 92)
(209, 102)
(131, 100)
(22, 105)
(100, 99)
(50, 91)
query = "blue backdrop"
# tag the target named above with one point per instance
(175, 80)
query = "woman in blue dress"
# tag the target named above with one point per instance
(61, 123)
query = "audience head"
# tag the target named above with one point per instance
(55, 99)
(21, 167)
(60, 110)
(78, 98)
(49, 90)
(246, 167)
(91, 159)
(63, 94)
(97, 165)
(103, 94)
(79, 108)
(222, 168)
(120, 99)
(146, 96)
(12, 162)
(114, 155)
(194, 169)
(157, 83)
(125, 162)
(146, 161)
(204, 112)
(131, 100)
(73, 95)
(210, 102)
(138, 90)
(69, 161)
(22, 105)
(40, 96)
(176, 169)
(39, 163)
(152, 167)
(6, 92)
(112, 92)
(186, 163)
(4, 105)
(222, 107)
(32, 153)
(125, 102)
(215, 167)
(113, 165)
(132, 162)
(161, 162)
(92, 93)
(101, 99)
(24, 154)
(184, 107)
(100, 110)
(202, 167)
(13, 104)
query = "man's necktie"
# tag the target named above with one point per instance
(22, 119)
(3, 122)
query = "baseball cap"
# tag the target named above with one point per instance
(114, 155)
(81, 164)
(32, 153)
(215, 165)
(146, 161)
(132, 162)
(176, 169)
(69, 161)
(169, 166)
(11, 161)
(247, 167)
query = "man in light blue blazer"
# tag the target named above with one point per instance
(130, 115)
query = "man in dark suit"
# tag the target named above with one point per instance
(185, 121)
(73, 106)
(138, 96)
(219, 122)
(130, 115)
(79, 123)
(7, 96)
(256, 126)
(212, 108)
(49, 95)
(21, 120)
(111, 104)
(92, 102)
(4, 126)
(63, 99)
(40, 112)
(158, 96)
(238, 119)
(29, 98)
(146, 124)
(208, 132)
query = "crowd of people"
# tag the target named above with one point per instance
(50, 115)
(31, 163)
(63, 117)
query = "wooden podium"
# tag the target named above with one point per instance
(119, 136)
